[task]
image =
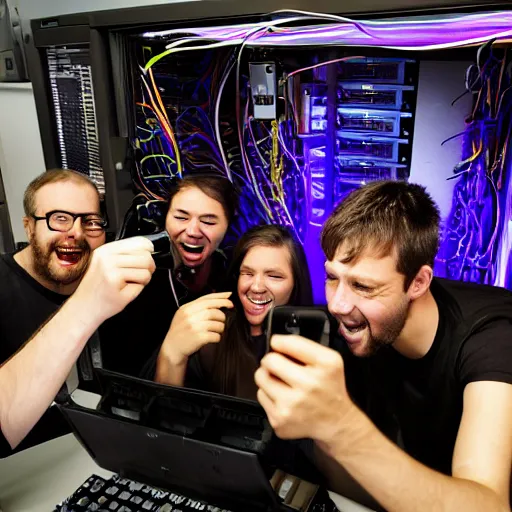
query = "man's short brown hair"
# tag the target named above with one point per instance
(386, 216)
(52, 176)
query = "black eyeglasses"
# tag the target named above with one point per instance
(56, 220)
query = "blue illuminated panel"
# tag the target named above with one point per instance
(372, 131)
(381, 96)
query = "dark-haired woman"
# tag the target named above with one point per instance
(217, 350)
(200, 210)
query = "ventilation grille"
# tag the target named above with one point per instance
(75, 114)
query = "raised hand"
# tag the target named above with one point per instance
(117, 273)
(196, 324)
(302, 389)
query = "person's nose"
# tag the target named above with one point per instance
(341, 303)
(193, 229)
(77, 231)
(258, 284)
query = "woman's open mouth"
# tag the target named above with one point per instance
(255, 306)
(193, 249)
(260, 302)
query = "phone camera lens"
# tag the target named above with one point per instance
(292, 325)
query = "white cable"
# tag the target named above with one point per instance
(173, 48)
(204, 47)
(171, 281)
(252, 29)
(394, 21)
(179, 42)
(501, 37)
(324, 16)
(189, 31)
(439, 46)
(424, 20)
(217, 122)
(442, 46)
(245, 159)
(176, 47)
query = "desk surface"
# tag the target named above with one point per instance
(39, 478)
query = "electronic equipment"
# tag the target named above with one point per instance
(264, 89)
(12, 57)
(252, 110)
(161, 243)
(218, 450)
(76, 126)
(297, 108)
(311, 323)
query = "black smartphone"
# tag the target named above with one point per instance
(309, 322)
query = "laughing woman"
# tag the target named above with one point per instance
(200, 210)
(218, 350)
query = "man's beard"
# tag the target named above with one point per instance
(61, 276)
(390, 331)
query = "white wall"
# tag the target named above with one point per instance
(21, 152)
(436, 120)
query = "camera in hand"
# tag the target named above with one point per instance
(161, 243)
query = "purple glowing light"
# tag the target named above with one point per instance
(410, 34)
(477, 244)
(479, 235)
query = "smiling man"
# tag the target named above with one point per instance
(428, 424)
(64, 225)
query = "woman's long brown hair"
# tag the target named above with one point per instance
(233, 355)
(217, 187)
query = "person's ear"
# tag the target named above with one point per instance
(29, 226)
(421, 282)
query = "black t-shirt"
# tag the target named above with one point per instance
(25, 305)
(131, 340)
(5, 447)
(419, 403)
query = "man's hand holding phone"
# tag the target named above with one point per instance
(309, 322)
(301, 382)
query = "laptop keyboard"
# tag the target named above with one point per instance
(122, 495)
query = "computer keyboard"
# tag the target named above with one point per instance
(122, 495)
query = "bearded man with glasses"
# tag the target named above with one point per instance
(64, 225)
